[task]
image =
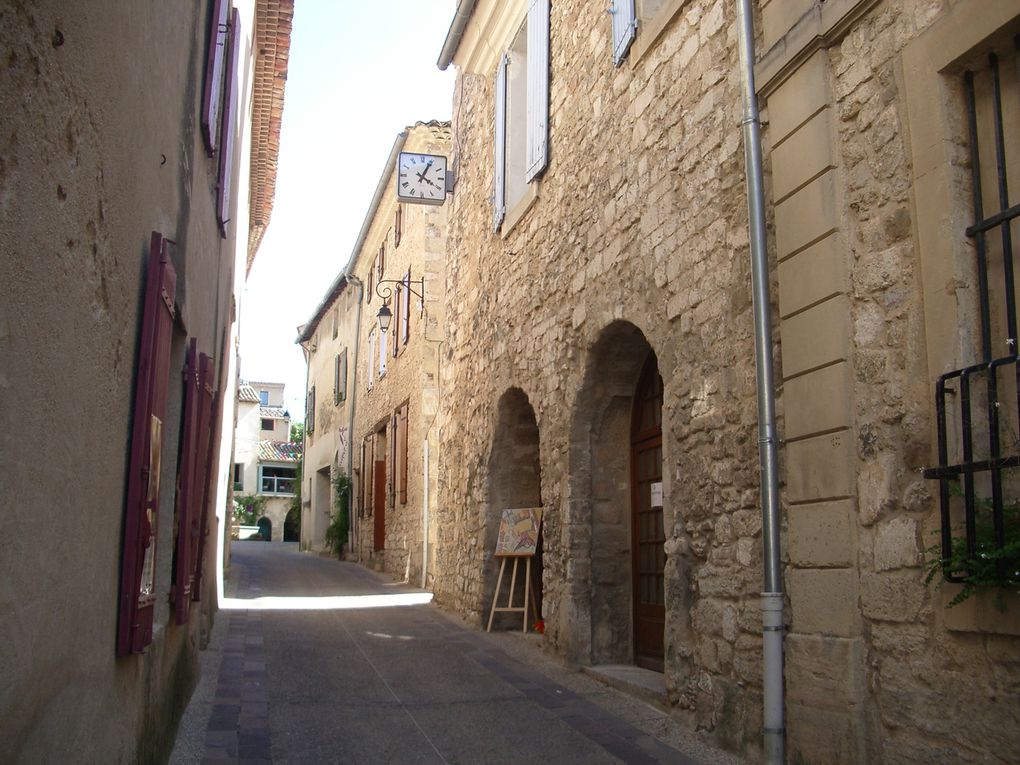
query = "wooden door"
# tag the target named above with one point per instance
(648, 534)
(379, 506)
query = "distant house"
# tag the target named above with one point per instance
(265, 460)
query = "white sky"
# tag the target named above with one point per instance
(359, 73)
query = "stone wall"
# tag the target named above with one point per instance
(636, 241)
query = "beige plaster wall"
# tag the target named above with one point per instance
(92, 99)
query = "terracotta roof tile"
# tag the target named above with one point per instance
(273, 411)
(279, 451)
(273, 21)
(247, 393)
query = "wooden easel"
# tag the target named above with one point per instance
(529, 592)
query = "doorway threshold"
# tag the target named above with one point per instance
(644, 684)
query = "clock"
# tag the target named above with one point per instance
(421, 178)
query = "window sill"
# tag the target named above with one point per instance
(519, 209)
(978, 613)
(649, 31)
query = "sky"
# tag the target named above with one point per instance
(359, 73)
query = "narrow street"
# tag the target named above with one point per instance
(401, 684)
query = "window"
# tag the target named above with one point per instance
(336, 322)
(264, 397)
(398, 220)
(268, 423)
(238, 476)
(276, 479)
(522, 112)
(340, 377)
(213, 89)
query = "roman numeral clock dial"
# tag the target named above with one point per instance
(421, 178)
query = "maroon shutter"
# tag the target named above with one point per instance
(203, 444)
(402, 451)
(225, 181)
(209, 482)
(214, 73)
(137, 583)
(180, 592)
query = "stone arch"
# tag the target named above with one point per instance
(598, 609)
(514, 480)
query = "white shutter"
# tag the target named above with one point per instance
(624, 28)
(538, 88)
(499, 161)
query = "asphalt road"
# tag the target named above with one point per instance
(302, 672)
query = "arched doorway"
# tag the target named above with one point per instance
(265, 529)
(616, 523)
(514, 481)
(648, 535)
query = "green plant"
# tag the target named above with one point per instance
(248, 508)
(339, 522)
(990, 567)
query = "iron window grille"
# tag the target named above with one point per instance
(978, 406)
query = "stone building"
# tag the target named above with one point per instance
(384, 383)
(599, 356)
(328, 341)
(126, 138)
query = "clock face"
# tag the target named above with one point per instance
(421, 178)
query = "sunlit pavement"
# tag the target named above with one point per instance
(313, 660)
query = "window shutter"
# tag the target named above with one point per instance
(398, 310)
(499, 161)
(538, 88)
(382, 353)
(137, 584)
(310, 411)
(180, 592)
(394, 456)
(398, 221)
(405, 329)
(225, 184)
(370, 359)
(382, 261)
(213, 90)
(371, 277)
(343, 375)
(213, 400)
(624, 28)
(336, 379)
(402, 447)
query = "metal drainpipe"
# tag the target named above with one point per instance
(772, 596)
(352, 533)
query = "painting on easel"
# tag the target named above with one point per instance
(518, 531)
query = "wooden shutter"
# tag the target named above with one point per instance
(180, 592)
(379, 506)
(310, 411)
(381, 262)
(624, 28)
(371, 276)
(398, 221)
(213, 90)
(538, 88)
(394, 455)
(370, 359)
(402, 453)
(336, 379)
(343, 375)
(398, 308)
(499, 159)
(224, 201)
(405, 328)
(137, 584)
(211, 472)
